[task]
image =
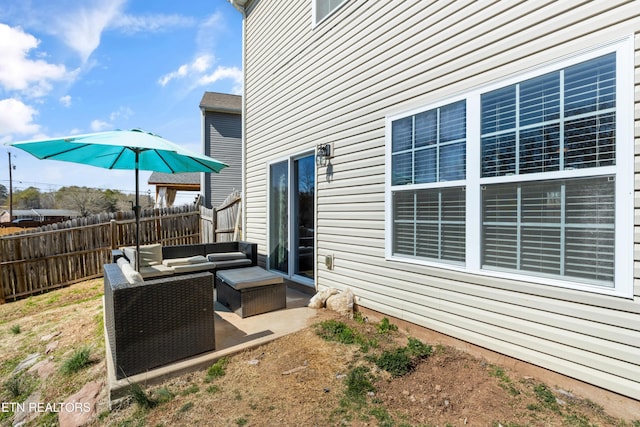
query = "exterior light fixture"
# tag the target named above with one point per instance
(323, 154)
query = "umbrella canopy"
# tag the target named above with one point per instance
(122, 149)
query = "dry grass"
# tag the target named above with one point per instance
(10, 230)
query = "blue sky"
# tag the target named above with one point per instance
(81, 66)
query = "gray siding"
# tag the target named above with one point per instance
(223, 141)
(337, 82)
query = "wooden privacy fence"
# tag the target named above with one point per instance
(60, 254)
(222, 224)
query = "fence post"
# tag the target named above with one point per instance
(2, 300)
(114, 236)
(237, 224)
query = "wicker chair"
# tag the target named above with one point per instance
(158, 322)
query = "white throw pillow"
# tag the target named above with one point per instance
(132, 276)
(150, 255)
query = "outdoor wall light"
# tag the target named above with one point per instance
(323, 154)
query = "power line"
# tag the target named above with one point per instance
(40, 185)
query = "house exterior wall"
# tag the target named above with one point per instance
(223, 141)
(337, 83)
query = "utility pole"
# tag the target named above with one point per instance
(10, 188)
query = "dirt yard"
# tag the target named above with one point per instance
(299, 380)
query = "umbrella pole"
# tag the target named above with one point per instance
(137, 212)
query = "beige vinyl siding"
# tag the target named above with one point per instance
(337, 83)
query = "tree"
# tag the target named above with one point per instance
(112, 199)
(4, 194)
(87, 201)
(29, 198)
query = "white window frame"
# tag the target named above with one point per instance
(314, 6)
(623, 171)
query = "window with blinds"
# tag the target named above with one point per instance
(427, 148)
(559, 121)
(526, 179)
(430, 224)
(553, 228)
(323, 8)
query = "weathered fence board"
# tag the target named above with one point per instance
(57, 255)
(227, 225)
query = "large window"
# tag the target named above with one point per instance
(427, 150)
(323, 8)
(530, 178)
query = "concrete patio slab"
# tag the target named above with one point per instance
(233, 335)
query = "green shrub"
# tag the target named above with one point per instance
(18, 386)
(163, 395)
(15, 329)
(333, 330)
(80, 359)
(359, 382)
(218, 369)
(385, 326)
(192, 389)
(141, 397)
(186, 407)
(397, 362)
(546, 397)
(419, 349)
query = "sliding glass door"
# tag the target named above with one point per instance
(279, 217)
(292, 217)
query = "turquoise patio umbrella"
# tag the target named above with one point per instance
(122, 149)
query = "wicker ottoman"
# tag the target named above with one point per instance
(251, 290)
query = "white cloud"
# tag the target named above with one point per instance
(122, 113)
(200, 72)
(198, 66)
(65, 100)
(130, 24)
(210, 31)
(100, 125)
(20, 73)
(81, 28)
(220, 73)
(17, 117)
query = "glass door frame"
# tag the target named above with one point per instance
(292, 204)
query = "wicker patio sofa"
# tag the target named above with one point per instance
(157, 322)
(165, 315)
(159, 261)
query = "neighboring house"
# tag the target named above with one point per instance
(4, 216)
(41, 215)
(222, 140)
(168, 184)
(481, 182)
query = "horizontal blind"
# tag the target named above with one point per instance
(430, 223)
(557, 121)
(562, 228)
(429, 146)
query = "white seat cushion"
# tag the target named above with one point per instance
(194, 267)
(225, 256)
(174, 262)
(156, 271)
(249, 277)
